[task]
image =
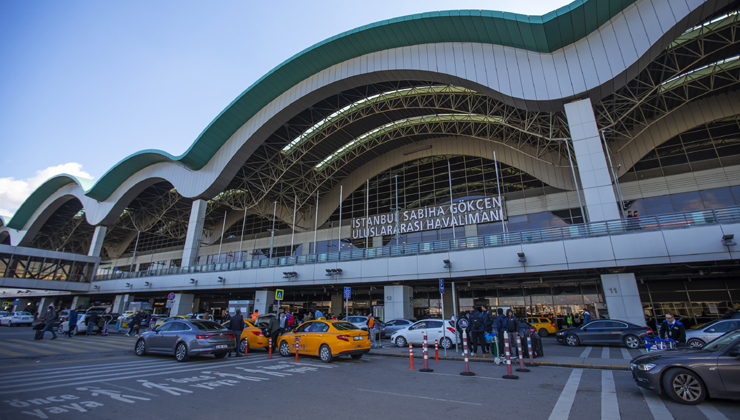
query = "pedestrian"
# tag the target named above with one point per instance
(462, 326)
(673, 329)
(318, 314)
(255, 314)
(273, 328)
(586, 316)
(635, 221)
(569, 320)
(134, 324)
(227, 317)
(283, 322)
(477, 331)
(48, 321)
(487, 327)
(308, 317)
(237, 326)
(92, 320)
(511, 326)
(500, 327)
(290, 321)
(72, 324)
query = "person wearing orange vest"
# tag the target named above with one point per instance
(255, 314)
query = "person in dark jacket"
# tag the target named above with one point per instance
(273, 328)
(498, 325)
(488, 322)
(673, 329)
(511, 327)
(49, 318)
(237, 326)
(92, 320)
(135, 321)
(476, 327)
(72, 322)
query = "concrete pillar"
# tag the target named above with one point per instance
(622, 298)
(118, 304)
(262, 300)
(337, 304)
(447, 300)
(182, 305)
(196, 305)
(596, 180)
(83, 301)
(97, 241)
(399, 302)
(195, 232)
(43, 304)
(22, 305)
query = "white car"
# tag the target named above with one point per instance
(17, 318)
(697, 338)
(435, 329)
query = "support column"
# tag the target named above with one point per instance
(97, 241)
(598, 190)
(22, 305)
(399, 302)
(83, 301)
(622, 298)
(195, 232)
(196, 306)
(263, 300)
(119, 304)
(337, 304)
(43, 304)
(183, 304)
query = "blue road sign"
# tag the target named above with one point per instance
(279, 294)
(347, 292)
(442, 286)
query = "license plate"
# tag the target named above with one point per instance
(359, 337)
(222, 346)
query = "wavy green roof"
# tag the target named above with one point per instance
(546, 33)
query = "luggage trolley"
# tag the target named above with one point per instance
(658, 344)
(492, 340)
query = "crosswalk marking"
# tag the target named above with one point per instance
(586, 351)
(605, 353)
(50, 345)
(11, 353)
(625, 354)
(565, 401)
(711, 411)
(656, 405)
(26, 348)
(87, 343)
(609, 403)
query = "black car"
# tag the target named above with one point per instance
(689, 375)
(604, 331)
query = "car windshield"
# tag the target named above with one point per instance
(207, 326)
(344, 326)
(720, 343)
(355, 319)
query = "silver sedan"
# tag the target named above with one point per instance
(185, 338)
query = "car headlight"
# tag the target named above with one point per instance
(646, 366)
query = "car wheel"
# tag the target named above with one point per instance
(284, 349)
(631, 342)
(243, 345)
(140, 347)
(357, 356)
(401, 342)
(684, 386)
(695, 343)
(60, 329)
(542, 332)
(325, 354)
(219, 355)
(572, 340)
(181, 352)
(446, 343)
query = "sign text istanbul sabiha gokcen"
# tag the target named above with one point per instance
(460, 213)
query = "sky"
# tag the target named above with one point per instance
(83, 84)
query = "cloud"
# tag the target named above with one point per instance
(13, 192)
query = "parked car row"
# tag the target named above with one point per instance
(16, 318)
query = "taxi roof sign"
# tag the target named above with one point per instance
(279, 294)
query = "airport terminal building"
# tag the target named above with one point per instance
(586, 158)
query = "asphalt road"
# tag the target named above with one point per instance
(102, 378)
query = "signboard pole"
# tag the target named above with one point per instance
(442, 301)
(347, 295)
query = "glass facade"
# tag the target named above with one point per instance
(39, 268)
(691, 201)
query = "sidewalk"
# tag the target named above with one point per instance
(561, 361)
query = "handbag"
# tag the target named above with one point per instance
(40, 326)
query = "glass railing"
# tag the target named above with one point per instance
(584, 230)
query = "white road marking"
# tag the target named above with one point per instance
(625, 354)
(561, 411)
(418, 396)
(711, 411)
(87, 380)
(605, 353)
(656, 405)
(473, 377)
(609, 403)
(150, 394)
(586, 351)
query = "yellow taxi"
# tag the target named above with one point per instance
(252, 335)
(326, 339)
(543, 325)
(172, 318)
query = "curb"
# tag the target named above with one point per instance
(490, 360)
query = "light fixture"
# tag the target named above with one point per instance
(221, 280)
(289, 274)
(522, 257)
(96, 287)
(333, 271)
(148, 284)
(727, 240)
(448, 264)
(193, 281)
(129, 285)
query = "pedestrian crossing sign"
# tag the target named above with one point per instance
(279, 294)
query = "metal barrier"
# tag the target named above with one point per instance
(578, 231)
